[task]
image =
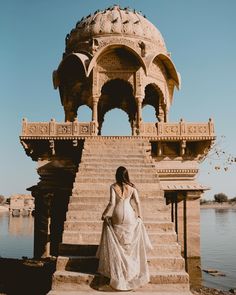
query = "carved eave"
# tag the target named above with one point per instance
(183, 185)
(82, 58)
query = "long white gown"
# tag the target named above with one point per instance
(124, 241)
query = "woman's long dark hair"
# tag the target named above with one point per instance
(122, 176)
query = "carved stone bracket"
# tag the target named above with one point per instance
(182, 147)
(52, 146)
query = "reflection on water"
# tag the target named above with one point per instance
(16, 236)
(218, 240)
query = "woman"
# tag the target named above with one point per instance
(122, 250)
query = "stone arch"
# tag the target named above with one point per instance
(154, 97)
(73, 84)
(117, 93)
(116, 123)
(148, 114)
(169, 66)
(110, 47)
(84, 113)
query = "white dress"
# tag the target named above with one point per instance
(124, 241)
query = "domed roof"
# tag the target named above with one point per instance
(115, 21)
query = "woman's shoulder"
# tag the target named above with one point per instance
(113, 185)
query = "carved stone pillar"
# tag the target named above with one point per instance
(42, 222)
(132, 125)
(95, 112)
(161, 115)
(95, 109)
(139, 100)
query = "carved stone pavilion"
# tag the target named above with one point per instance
(116, 58)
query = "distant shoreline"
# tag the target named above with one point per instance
(214, 205)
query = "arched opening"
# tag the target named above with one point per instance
(84, 114)
(153, 97)
(149, 114)
(73, 86)
(118, 94)
(116, 122)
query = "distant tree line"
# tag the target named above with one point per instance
(219, 198)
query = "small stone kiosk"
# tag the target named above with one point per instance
(116, 58)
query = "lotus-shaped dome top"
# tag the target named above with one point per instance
(115, 21)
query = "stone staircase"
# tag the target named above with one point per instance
(77, 265)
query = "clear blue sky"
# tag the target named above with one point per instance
(201, 35)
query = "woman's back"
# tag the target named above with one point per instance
(123, 212)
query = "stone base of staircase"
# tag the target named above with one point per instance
(77, 264)
(73, 283)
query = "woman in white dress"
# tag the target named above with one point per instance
(124, 241)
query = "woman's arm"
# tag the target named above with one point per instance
(111, 203)
(137, 202)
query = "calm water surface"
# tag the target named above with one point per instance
(16, 236)
(218, 246)
(218, 243)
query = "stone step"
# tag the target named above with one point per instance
(115, 161)
(93, 238)
(109, 180)
(147, 208)
(160, 280)
(108, 172)
(101, 204)
(106, 290)
(92, 226)
(111, 176)
(115, 143)
(113, 165)
(75, 215)
(90, 264)
(125, 146)
(106, 186)
(88, 197)
(79, 192)
(111, 170)
(166, 250)
(114, 155)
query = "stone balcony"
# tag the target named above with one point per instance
(166, 131)
(179, 131)
(52, 129)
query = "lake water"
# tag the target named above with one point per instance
(16, 236)
(218, 246)
(218, 243)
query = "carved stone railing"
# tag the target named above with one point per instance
(162, 130)
(54, 129)
(178, 130)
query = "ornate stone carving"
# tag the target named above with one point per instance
(106, 76)
(84, 129)
(63, 129)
